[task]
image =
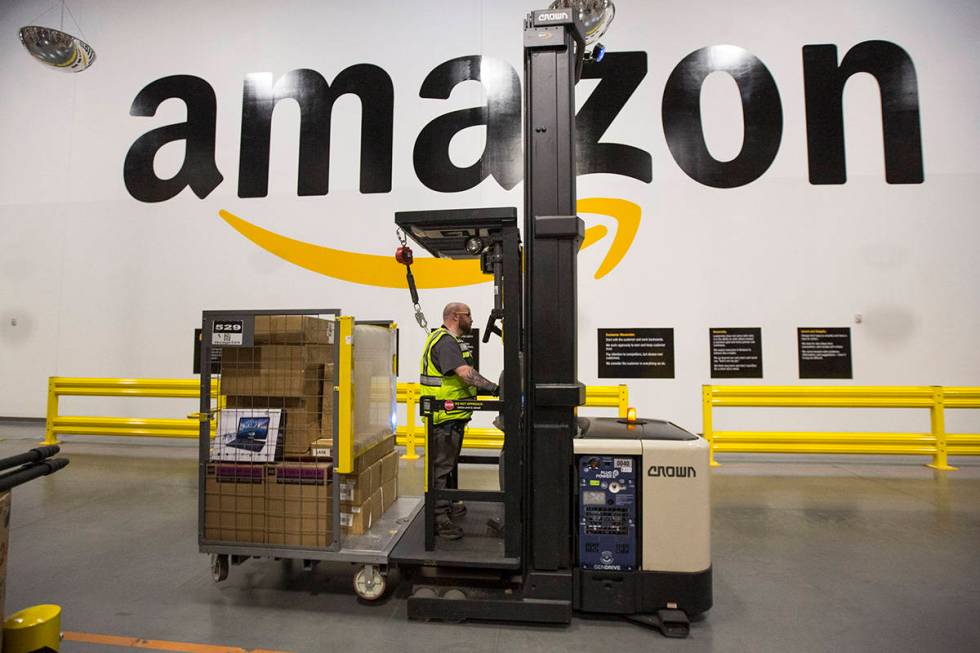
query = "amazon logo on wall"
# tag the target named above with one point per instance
(619, 75)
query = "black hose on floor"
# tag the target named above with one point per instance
(30, 472)
(33, 456)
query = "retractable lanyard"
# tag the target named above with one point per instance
(404, 256)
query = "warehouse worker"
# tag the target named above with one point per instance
(447, 372)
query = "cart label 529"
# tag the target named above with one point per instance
(227, 332)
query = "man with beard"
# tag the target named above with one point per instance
(447, 372)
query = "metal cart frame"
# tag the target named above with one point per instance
(372, 549)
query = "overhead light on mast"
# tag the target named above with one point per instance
(595, 16)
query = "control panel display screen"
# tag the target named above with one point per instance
(590, 498)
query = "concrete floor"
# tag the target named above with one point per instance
(810, 554)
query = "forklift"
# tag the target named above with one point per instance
(593, 515)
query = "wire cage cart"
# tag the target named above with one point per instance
(296, 451)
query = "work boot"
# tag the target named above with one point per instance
(447, 530)
(458, 509)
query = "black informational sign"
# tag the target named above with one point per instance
(825, 352)
(215, 355)
(736, 353)
(472, 340)
(636, 353)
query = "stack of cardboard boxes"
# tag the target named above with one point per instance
(368, 491)
(289, 502)
(291, 368)
(235, 502)
(299, 505)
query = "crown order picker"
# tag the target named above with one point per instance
(594, 515)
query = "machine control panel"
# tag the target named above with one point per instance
(607, 512)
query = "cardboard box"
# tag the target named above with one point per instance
(249, 381)
(298, 379)
(248, 435)
(301, 426)
(389, 492)
(278, 356)
(355, 489)
(375, 452)
(323, 448)
(299, 504)
(389, 467)
(357, 520)
(293, 329)
(234, 502)
(4, 547)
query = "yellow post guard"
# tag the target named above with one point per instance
(33, 629)
(345, 398)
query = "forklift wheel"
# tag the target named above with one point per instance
(219, 567)
(369, 583)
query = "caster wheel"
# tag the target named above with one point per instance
(394, 577)
(455, 595)
(369, 583)
(425, 593)
(219, 567)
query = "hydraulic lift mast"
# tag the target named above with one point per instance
(649, 559)
(552, 235)
(540, 389)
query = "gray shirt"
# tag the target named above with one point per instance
(447, 355)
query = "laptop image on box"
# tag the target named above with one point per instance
(251, 434)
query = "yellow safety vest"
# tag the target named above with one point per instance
(444, 386)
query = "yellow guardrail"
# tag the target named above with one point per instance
(59, 386)
(936, 443)
(409, 435)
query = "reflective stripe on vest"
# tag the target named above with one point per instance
(444, 386)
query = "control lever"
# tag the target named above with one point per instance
(492, 325)
(492, 261)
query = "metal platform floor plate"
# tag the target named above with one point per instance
(373, 547)
(477, 547)
(384, 535)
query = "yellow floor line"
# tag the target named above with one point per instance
(157, 644)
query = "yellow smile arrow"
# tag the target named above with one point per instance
(384, 271)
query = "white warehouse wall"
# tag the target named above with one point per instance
(101, 283)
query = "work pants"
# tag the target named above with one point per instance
(445, 443)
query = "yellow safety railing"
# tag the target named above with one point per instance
(409, 435)
(412, 433)
(937, 443)
(139, 426)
